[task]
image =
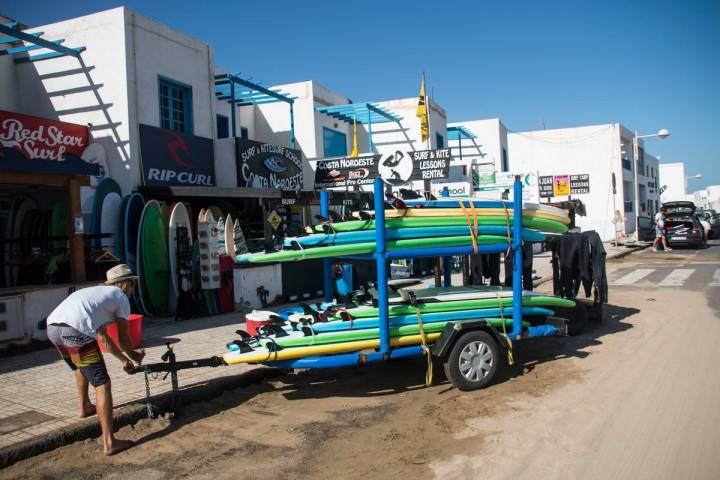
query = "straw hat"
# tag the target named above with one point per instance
(119, 273)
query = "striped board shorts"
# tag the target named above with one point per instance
(80, 352)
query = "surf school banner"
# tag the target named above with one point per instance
(400, 167)
(263, 165)
(341, 172)
(41, 145)
(171, 158)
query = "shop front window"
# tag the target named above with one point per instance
(175, 106)
(334, 143)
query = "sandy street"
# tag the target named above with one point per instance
(635, 397)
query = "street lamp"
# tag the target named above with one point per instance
(691, 177)
(663, 133)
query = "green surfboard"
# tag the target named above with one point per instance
(372, 333)
(154, 258)
(534, 223)
(368, 247)
(531, 301)
(58, 224)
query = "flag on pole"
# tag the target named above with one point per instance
(422, 113)
(355, 151)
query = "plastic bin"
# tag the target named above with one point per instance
(256, 319)
(134, 328)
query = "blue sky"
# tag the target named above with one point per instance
(646, 64)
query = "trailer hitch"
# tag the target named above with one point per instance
(170, 366)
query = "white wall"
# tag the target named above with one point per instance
(8, 84)
(155, 50)
(672, 175)
(92, 90)
(114, 85)
(225, 163)
(585, 150)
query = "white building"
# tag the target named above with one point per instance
(707, 198)
(673, 182)
(115, 85)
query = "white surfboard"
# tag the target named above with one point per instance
(178, 218)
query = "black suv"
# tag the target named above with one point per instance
(682, 226)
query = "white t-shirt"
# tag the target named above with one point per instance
(90, 308)
(660, 219)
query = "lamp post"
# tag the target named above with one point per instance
(663, 133)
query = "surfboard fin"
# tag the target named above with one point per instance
(241, 346)
(267, 330)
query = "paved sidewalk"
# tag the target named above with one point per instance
(38, 392)
(38, 395)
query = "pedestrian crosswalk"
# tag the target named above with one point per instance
(664, 277)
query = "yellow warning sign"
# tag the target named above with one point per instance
(274, 220)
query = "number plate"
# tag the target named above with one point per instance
(678, 238)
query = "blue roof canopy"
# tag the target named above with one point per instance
(360, 112)
(16, 35)
(241, 91)
(459, 132)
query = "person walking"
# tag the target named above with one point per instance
(660, 231)
(76, 326)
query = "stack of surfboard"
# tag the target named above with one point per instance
(349, 330)
(421, 224)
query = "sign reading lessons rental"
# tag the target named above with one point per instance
(171, 158)
(262, 165)
(341, 172)
(401, 167)
(35, 144)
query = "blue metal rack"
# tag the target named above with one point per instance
(381, 256)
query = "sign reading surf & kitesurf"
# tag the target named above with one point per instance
(402, 167)
(36, 144)
(171, 158)
(351, 171)
(263, 165)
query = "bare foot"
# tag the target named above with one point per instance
(87, 411)
(118, 446)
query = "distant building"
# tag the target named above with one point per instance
(673, 183)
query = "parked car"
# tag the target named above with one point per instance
(713, 218)
(646, 229)
(682, 225)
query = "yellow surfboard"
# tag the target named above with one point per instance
(263, 355)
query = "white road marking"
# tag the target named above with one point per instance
(715, 282)
(677, 277)
(634, 276)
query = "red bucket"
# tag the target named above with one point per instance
(256, 319)
(134, 328)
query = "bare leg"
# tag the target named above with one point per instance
(664, 242)
(86, 408)
(111, 445)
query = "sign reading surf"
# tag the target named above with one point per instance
(41, 138)
(348, 171)
(264, 165)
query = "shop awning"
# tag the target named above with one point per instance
(364, 113)
(240, 91)
(459, 132)
(367, 113)
(9, 44)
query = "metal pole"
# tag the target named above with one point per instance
(381, 262)
(517, 259)
(447, 268)
(370, 142)
(233, 107)
(292, 125)
(327, 264)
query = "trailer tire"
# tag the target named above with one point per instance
(473, 361)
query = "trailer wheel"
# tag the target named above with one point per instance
(473, 361)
